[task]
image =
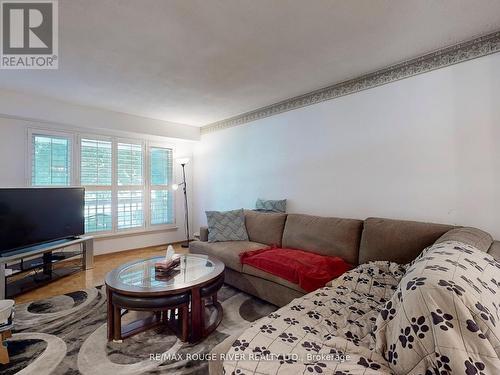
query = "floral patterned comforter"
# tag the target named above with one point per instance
(329, 331)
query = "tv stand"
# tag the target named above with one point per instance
(41, 260)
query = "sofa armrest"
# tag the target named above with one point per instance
(494, 250)
(470, 236)
(204, 234)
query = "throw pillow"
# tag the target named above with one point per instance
(270, 205)
(226, 226)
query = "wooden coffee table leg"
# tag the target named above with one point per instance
(196, 315)
(110, 316)
(117, 323)
(185, 322)
(4, 353)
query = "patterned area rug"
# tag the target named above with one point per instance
(67, 335)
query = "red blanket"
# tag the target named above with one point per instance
(311, 271)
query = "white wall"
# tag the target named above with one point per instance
(424, 148)
(51, 111)
(61, 116)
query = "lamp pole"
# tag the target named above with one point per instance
(186, 211)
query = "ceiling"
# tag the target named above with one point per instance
(200, 61)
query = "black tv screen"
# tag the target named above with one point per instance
(30, 216)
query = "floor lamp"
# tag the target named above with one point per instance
(183, 162)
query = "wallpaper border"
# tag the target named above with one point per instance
(482, 46)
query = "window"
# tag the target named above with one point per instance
(127, 183)
(98, 211)
(96, 162)
(96, 175)
(161, 175)
(50, 160)
(130, 209)
(130, 162)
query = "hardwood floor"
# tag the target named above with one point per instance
(94, 277)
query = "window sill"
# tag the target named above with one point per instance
(128, 233)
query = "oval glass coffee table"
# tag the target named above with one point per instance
(177, 300)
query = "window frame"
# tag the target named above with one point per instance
(75, 139)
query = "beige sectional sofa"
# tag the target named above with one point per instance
(357, 241)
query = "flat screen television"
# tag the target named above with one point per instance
(30, 216)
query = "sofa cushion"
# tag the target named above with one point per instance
(265, 227)
(397, 241)
(470, 236)
(228, 252)
(226, 226)
(323, 235)
(269, 291)
(310, 270)
(249, 270)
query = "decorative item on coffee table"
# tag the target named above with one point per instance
(165, 267)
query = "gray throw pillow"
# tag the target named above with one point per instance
(270, 205)
(226, 226)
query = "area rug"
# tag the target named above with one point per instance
(67, 335)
